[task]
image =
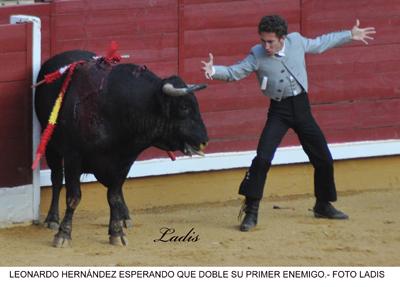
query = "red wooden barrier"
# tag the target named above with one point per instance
(146, 30)
(354, 89)
(15, 104)
(40, 10)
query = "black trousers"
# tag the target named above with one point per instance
(295, 113)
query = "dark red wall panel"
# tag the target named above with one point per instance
(145, 30)
(39, 10)
(15, 105)
(353, 89)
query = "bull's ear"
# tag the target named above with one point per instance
(196, 87)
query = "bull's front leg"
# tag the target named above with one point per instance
(119, 216)
(72, 174)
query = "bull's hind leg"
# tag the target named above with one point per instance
(72, 166)
(126, 219)
(54, 161)
(118, 214)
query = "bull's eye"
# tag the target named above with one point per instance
(184, 109)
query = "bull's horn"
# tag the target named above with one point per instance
(170, 90)
(197, 87)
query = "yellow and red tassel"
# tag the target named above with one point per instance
(51, 77)
(48, 132)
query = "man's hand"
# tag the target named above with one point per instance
(208, 70)
(362, 34)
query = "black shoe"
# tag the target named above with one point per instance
(251, 210)
(249, 222)
(326, 210)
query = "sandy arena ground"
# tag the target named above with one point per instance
(284, 237)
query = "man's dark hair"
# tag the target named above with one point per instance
(273, 24)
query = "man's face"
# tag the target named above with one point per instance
(271, 43)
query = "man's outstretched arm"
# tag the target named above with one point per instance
(335, 39)
(234, 72)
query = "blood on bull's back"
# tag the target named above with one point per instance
(46, 94)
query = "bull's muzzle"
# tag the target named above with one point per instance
(190, 150)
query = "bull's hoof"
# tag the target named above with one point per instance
(119, 240)
(51, 225)
(128, 223)
(61, 242)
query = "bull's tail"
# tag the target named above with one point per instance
(48, 132)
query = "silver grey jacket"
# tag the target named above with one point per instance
(270, 70)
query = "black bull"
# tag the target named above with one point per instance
(110, 114)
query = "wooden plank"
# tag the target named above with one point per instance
(123, 4)
(220, 41)
(153, 16)
(14, 126)
(325, 16)
(355, 73)
(38, 9)
(348, 55)
(15, 107)
(15, 104)
(115, 23)
(152, 41)
(78, 6)
(354, 86)
(134, 25)
(71, 6)
(13, 66)
(233, 14)
(201, 2)
(384, 28)
(359, 114)
(13, 168)
(342, 9)
(13, 39)
(363, 134)
(41, 10)
(11, 93)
